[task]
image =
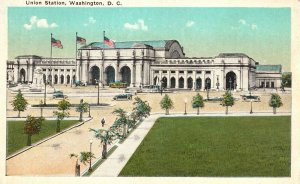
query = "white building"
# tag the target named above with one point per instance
(141, 63)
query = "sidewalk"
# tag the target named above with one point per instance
(114, 164)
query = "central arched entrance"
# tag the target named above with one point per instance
(94, 74)
(198, 83)
(207, 83)
(126, 75)
(22, 75)
(164, 82)
(231, 81)
(110, 75)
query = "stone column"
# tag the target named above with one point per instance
(169, 79)
(65, 77)
(58, 77)
(176, 79)
(194, 80)
(132, 75)
(185, 80)
(203, 81)
(47, 75)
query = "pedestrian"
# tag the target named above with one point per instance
(102, 122)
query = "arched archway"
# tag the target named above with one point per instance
(173, 82)
(61, 79)
(68, 79)
(190, 83)
(55, 79)
(231, 81)
(94, 74)
(181, 82)
(207, 83)
(22, 75)
(126, 75)
(110, 74)
(50, 79)
(198, 83)
(164, 82)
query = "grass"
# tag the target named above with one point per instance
(214, 146)
(16, 139)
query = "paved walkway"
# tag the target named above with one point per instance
(114, 164)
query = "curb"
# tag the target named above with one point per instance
(46, 139)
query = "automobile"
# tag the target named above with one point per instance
(150, 89)
(126, 96)
(59, 94)
(80, 83)
(248, 98)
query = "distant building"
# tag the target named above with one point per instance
(140, 63)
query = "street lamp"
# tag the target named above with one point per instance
(185, 101)
(161, 86)
(91, 142)
(89, 110)
(251, 100)
(97, 82)
(207, 90)
(45, 82)
(218, 84)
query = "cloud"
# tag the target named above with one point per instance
(92, 20)
(244, 23)
(189, 23)
(39, 23)
(253, 26)
(139, 25)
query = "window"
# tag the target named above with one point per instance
(44, 70)
(198, 72)
(181, 71)
(68, 70)
(190, 71)
(207, 72)
(164, 71)
(56, 70)
(156, 71)
(172, 71)
(73, 70)
(61, 70)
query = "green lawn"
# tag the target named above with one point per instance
(17, 139)
(214, 146)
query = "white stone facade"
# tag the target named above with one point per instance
(148, 63)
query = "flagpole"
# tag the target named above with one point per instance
(51, 60)
(75, 60)
(103, 35)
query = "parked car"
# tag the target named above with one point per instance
(248, 98)
(80, 83)
(59, 94)
(126, 96)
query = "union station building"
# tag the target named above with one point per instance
(140, 63)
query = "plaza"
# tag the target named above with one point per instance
(76, 140)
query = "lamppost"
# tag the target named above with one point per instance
(45, 82)
(89, 110)
(97, 82)
(207, 90)
(161, 86)
(91, 142)
(185, 101)
(218, 84)
(251, 100)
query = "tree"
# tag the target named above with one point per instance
(32, 126)
(166, 103)
(121, 121)
(197, 102)
(141, 108)
(106, 137)
(84, 158)
(60, 115)
(275, 102)
(82, 108)
(64, 105)
(228, 100)
(19, 103)
(286, 80)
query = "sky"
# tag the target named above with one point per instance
(264, 34)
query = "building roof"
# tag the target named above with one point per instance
(226, 55)
(133, 44)
(28, 56)
(268, 68)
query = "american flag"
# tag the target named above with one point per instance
(56, 43)
(81, 40)
(109, 42)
